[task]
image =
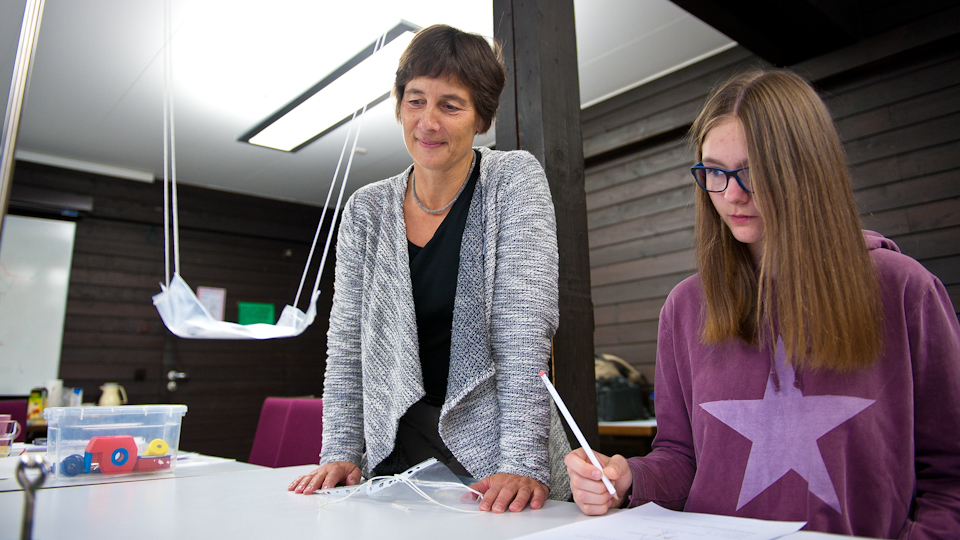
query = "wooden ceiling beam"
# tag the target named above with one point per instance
(783, 32)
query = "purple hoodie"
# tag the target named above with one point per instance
(871, 453)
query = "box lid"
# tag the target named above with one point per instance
(53, 413)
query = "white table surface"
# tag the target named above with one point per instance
(256, 504)
(188, 464)
(252, 504)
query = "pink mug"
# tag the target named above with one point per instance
(6, 418)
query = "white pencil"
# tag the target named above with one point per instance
(577, 432)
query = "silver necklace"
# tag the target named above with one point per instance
(413, 182)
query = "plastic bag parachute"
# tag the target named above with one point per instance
(429, 481)
(179, 307)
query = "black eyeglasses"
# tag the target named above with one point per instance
(715, 179)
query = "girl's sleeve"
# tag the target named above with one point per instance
(935, 351)
(664, 476)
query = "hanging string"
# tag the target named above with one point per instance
(166, 149)
(172, 133)
(323, 214)
(343, 184)
(173, 152)
(326, 248)
(169, 153)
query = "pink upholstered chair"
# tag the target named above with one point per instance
(17, 409)
(289, 432)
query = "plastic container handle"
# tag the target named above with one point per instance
(123, 393)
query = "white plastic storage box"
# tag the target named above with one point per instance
(95, 443)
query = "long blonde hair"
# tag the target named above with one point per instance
(826, 303)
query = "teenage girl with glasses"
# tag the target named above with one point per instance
(809, 371)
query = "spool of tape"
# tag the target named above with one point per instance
(157, 447)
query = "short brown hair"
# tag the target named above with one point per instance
(827, 297)
(444, 51)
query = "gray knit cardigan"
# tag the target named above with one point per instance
(497, 414)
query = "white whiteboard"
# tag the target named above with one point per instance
(35, 257)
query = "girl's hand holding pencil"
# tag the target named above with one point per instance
(589, 478)
(589, 491)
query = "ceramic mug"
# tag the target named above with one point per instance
(111, 395)
(9, 429)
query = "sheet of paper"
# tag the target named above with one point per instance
(651, 521)
(214, 299)
(193, 459)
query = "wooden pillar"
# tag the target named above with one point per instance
(540, 113)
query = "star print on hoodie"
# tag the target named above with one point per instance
(784, 427)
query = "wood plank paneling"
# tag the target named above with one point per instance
(908, 138)
(929, 244)
(883, 91)
(954, 292)
(914, 219)
(931, 160)
(644, 206)
(657, 107)
(630, 191)
(634, 332)
(644, 289)
(254, 248)
(630, 168)
(945, 268)
(642, 247)
(909, 193)
(647, 226)
(640, 310)
(644, 267)
(911, 111)
(896, 110)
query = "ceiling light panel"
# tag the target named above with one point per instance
(364, 80)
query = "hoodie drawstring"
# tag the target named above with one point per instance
(773, 370)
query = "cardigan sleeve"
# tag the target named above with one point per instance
(525, 314)
(342, 387)
(935, 352)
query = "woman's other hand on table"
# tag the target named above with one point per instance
(503, 490)
(327, 476)
(588, 490)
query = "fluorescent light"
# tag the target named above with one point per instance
(366, 79)
(85, 166)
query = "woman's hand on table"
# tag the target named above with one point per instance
(503, 490)
(588, 490)
(327, 476)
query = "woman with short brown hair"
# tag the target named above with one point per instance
(446, 298)
(444, 51)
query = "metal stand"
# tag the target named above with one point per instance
(30, 488)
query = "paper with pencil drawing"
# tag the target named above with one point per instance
(653, 522)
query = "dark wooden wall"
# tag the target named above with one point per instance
(896, 102)
(254, 248)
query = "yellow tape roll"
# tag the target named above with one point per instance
(157, 447)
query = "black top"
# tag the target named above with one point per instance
(433, 270)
